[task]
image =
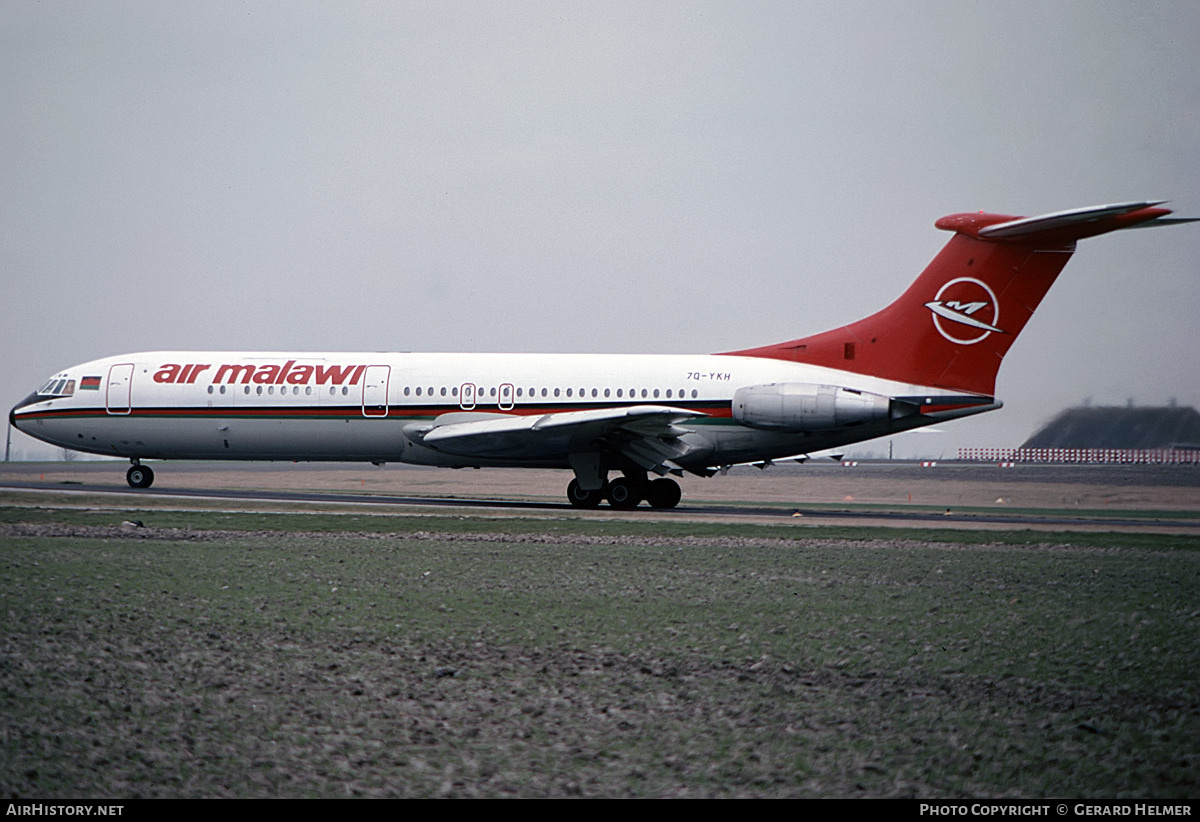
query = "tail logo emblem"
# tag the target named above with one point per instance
(967, 302)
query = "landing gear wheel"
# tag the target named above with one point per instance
(624, 493)
(583, 498)
(139, 476)
(663, 493)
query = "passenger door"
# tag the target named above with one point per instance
(118, 393)
(375, 390)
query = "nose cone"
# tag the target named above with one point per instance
(14, 415)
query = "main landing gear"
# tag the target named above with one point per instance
(139, 476)
(627, 493)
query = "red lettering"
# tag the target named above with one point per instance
(167, 373)
(289, 373)
(300, 374)
(266, 374)
(230, 373)
(283, 374)
(337, 374)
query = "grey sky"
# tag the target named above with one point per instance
(621, 177)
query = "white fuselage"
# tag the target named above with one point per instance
(363, 406)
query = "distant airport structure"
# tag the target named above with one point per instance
(1107, 434)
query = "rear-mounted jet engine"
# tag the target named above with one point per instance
(799, 406)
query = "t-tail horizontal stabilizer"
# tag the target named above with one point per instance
(1065, 226)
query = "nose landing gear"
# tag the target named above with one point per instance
(139, 476)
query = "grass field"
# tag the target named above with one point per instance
(239, 655)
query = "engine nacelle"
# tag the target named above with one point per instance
(800, 406)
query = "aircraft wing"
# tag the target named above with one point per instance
(649, 435)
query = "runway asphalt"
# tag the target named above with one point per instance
(898, 494)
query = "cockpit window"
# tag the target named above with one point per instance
(57, 387)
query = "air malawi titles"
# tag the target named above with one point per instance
(271, 374)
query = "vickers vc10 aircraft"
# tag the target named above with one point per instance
(930, 356)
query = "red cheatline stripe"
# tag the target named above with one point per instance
(416, 411)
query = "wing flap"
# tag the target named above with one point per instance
(653, 454)
(630, 416)
(453, 430)
(648, 435)
(649, 419)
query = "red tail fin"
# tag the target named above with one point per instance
(953, 326)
